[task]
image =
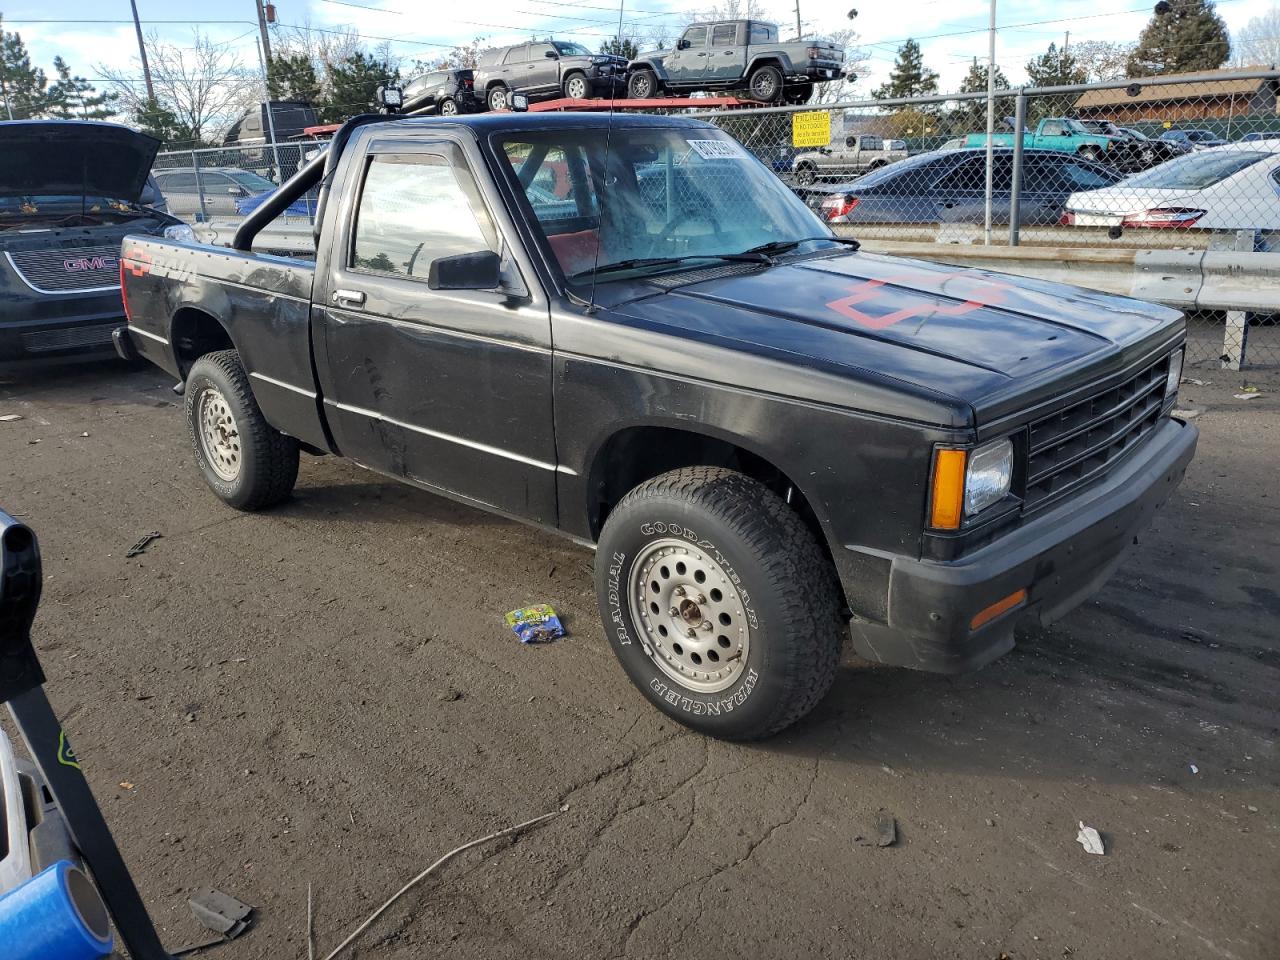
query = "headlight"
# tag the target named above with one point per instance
(988, 477)
(180, 232)
(1175, 374)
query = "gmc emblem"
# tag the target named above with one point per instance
(78, 264)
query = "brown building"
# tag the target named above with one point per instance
(1226, 97)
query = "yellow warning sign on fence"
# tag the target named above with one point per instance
(811, 129)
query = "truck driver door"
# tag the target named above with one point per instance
(447, 388)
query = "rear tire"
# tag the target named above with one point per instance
(577, 87)
(765, 84)
(719, 603)
(798, 95)
(806, 174)
(247, 462)
(642, 85)
(497, 97)
(448, 107)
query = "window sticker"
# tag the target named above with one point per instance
(717, 149)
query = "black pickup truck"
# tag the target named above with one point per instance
(646, 342)
(70, 190)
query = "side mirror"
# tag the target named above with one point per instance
(683, 44)
(551, 55)
(466, 271)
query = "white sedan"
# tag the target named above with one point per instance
(1236, 187)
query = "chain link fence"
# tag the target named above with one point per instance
(1164, 164)
(1161, 164)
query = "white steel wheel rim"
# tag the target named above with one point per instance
(219, 435)
(690, 615)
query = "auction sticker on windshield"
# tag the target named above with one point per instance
(716, 149)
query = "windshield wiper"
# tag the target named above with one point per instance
(747, 256)
(782, 246)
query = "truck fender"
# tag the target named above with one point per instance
(656, 66)
(777, 59)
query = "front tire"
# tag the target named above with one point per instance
(642, 85)
(719, 603)
(497, 98)
(806, 174)
(247, 462)
(577, 87)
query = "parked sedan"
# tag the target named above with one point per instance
(222, 187)
(949, 186)
(1236, 187)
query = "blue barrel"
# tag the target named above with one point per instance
(56, 915)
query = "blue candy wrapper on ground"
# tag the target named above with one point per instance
(536, 624)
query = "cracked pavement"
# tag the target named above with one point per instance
(357, 708)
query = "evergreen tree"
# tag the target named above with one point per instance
(1190, 37)
(353, 81)
(620, 47)
(971, 115)
(1053, 68)
(909, 77)
(292, 76)
(75, 98)
(163, 124)
(22, 86)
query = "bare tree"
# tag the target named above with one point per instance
(205, 86)
(1102, 59)
(856, 60)
(1257, 43)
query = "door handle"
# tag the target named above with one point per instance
(730, 53)
(702, 54)
(354, 297)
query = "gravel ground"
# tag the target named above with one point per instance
(326, 694)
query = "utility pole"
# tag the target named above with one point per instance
(262, 29)
(799, 29)
(991, 120)
(142, 54)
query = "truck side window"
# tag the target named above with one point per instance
(763, 33)
(1053, 128)
(413, 209)
(724, 35)
(695, 37)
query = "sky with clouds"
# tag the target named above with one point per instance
(92, 32)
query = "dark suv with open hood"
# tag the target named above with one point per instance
(69, 192)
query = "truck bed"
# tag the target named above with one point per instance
(263, 302)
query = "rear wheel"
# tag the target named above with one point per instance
(498, 98)
(577, 86)
(719, 602)
(448, 107)
(765, 84)
(247, 462)
(642, 85)
(806, 174)
(798, 94)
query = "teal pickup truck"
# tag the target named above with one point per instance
(1056, 133)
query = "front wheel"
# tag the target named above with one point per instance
(247, 462)
(806, 174)
(642, 85)
(765, 84)
(498, 98)
(577, 87)
(719, 602)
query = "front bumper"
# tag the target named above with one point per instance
(54, 340)
(1060, 558)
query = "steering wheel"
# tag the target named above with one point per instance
(664, 233)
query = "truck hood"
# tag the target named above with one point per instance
(987, 344)
(74, 157)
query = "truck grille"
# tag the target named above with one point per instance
(69, 269)
(68, 338)
(1069, 448)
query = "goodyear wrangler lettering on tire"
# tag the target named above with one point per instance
(701, 708)
(619, 622)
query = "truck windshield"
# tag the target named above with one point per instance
(676, 195)
(571, 49)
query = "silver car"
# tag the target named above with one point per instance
(221, 186)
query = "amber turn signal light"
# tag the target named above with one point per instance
(1016, 599)
(947, 498)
